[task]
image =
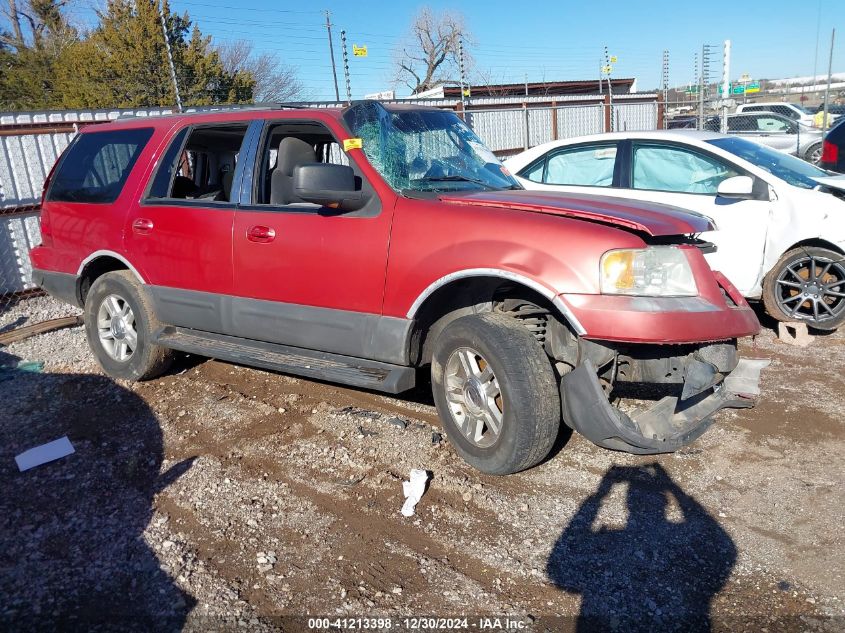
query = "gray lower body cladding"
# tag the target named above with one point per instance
(63, 286)
(357, 334)
(710, 378)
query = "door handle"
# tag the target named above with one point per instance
(142, 226)
(261, 234)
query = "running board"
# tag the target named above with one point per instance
(345, 370)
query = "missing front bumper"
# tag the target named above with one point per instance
(665, 427)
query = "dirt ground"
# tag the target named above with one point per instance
(221, 497)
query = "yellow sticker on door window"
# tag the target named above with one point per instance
(352, 143)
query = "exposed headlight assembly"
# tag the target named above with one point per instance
(655, 271)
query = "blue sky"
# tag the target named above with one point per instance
(545, 40)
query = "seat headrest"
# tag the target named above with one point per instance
(292, 153)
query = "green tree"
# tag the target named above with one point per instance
(33, 37)
(123, 63)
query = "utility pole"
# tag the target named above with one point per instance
(346, 67)
(816, 56)
(601, 74)
(702, 82)
(665, 89)
(609, 87)
(829, 75)
(331, 54)
(726, 86)
(160, 8)
(463, 78)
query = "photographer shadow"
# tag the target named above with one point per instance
(75, 554)
(658, 572)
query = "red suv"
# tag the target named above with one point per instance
(358, 245)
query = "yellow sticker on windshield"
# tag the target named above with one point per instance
(352, 143)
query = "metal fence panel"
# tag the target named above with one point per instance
(17, 235)
(580, 120)
(634, 116)
(499, 129)
(25, 161)
(540, 129)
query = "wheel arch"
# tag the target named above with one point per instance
(474, 292)
(96, 265)
(815, 241)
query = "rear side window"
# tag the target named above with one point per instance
(97, 165)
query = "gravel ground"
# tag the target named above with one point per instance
(223, 497)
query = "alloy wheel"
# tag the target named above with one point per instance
(474, 397)
(812, 289)
(116, 328)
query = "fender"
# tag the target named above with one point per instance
(117, 256)
(503, 274)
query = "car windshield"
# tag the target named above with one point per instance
(425, 150)
(789, 168)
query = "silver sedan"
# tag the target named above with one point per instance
(775, 131)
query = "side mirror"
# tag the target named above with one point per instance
(328, 185)
(740, 187)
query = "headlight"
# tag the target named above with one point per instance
(656, 271)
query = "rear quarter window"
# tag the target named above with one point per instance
(96, 166)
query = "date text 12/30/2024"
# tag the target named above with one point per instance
(420, 623)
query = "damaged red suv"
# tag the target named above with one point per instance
(359, 245)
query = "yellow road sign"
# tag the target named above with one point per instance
(613, 59)
(359, 51)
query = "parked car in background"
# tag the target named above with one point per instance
(836, 109)
(775, 131)
(792, 111)
(833, 153)
(682, 123)
(357, 245)
(780, 220)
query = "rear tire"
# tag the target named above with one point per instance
(814, 154)
(120, 323)
(503, 413)
(791, 294)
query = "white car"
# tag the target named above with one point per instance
(780, 220)
(789, 110)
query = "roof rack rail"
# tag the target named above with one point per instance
(223, 107)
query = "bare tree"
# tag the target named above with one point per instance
(33, 22)
(430, 56)
(274, 80)
(492, 85)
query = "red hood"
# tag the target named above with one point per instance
(647, 217)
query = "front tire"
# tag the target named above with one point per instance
(807, 284)
(496, 393)
(119, 324)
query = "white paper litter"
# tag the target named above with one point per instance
(45, 453)
(413, 491)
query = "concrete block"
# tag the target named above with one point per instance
(794, 333)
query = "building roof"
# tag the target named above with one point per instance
(544, 88)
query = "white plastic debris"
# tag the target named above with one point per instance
(413, 491)
(48, 452)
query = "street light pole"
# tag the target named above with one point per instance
(829, 76)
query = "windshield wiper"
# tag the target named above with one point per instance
(459, 178)
(455, 178)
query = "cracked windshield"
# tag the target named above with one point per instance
(426, 150)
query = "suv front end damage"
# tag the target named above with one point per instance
(702, 381)
(682, 346)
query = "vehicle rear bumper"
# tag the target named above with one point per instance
(59, 285)
(712, 378)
